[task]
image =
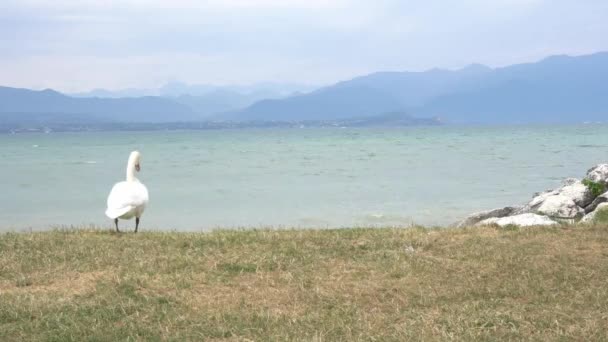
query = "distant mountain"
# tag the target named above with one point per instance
(206, 100)
(556, 89)
(258, 90)
(129, 92)
(176, 89)
(416, 88)
(326, 104)
(218, 101)
(221, 100)
(23, 106)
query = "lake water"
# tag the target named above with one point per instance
(200, 180)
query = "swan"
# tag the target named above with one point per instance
(128, 199)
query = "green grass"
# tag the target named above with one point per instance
(313, 285)
(601, 216)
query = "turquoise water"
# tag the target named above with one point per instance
(200, 180)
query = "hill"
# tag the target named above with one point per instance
(556, 89)
(48, 106)
(327, 104)
(559, 89)
(206, 100)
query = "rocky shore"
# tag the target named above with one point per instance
(576, 200)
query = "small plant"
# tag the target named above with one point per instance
(595, 188)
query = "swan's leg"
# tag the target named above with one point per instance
(116, 223)
(136, 223)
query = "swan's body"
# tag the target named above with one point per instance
(128, 199)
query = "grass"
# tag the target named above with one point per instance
(601, 216)
(314, 285)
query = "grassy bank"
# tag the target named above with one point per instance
(359, 284)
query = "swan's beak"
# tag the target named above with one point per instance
(137, 167)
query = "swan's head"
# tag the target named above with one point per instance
(134, 160)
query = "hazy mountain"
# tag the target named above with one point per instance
(25, 105)
(175, 89)
(207, 100)
(226, 99)
(217, 101)
(367, 95)
(256, 90)
(556, 89)
(326, 104)
(129, 92)
(416, 88)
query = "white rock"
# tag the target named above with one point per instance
(578, 192)
(473, 219)
(522, 220)
(570, 181)
(537, 201)
(591, 216)
(539, 198)
(572, 188)
(598, 174)
(560, 206)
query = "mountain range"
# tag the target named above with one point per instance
(557, 89)
(207, 100)
(23, 106)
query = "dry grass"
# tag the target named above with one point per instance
(314, 285)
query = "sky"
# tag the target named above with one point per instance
(114, 44)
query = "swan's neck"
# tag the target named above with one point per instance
(131, 171)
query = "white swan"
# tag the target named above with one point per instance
(129, 198)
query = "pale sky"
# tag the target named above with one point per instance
(114, 44)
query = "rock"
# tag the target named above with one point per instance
(589, 218)
(473, 219)
(522, 220)
(564, 204)
(572, 188)
(603, 198)
(536, 202)
(570, 181)
(578, 192)
(598, 174)
(560, 206)
(538, 199)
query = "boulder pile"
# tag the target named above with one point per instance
(574, 201)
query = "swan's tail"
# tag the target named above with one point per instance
(114, 213)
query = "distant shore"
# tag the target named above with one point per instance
(207, 125)
(484, 283)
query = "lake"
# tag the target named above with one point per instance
(251, 178)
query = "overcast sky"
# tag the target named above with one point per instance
(84, 44)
